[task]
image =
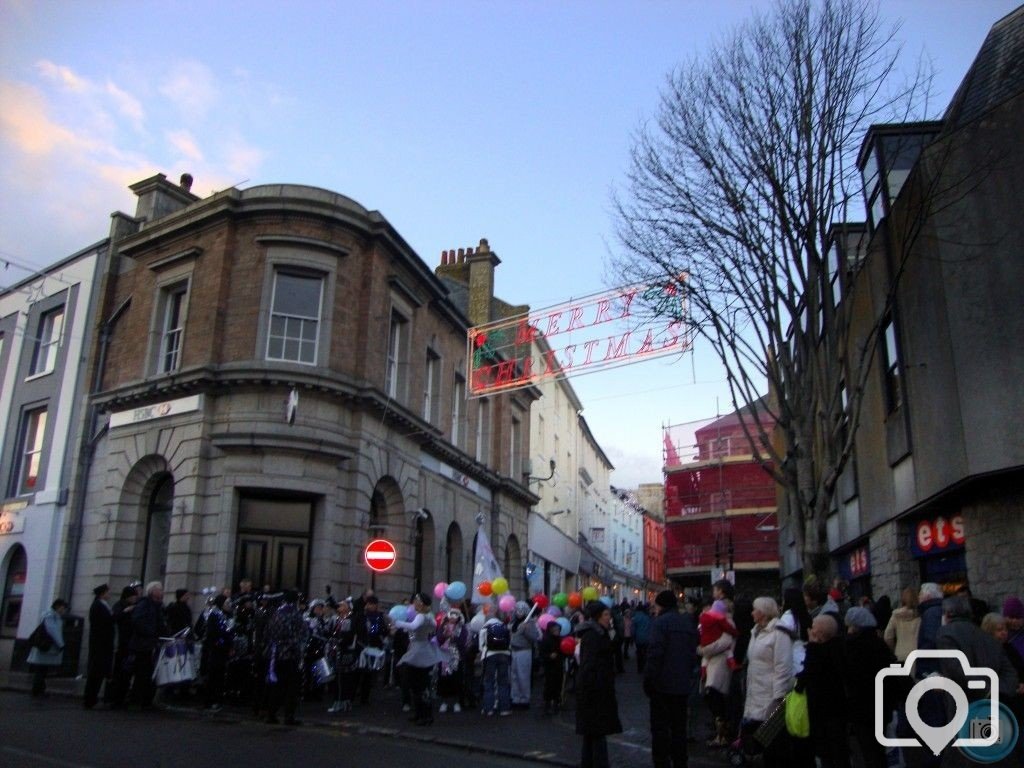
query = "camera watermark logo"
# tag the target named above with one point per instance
(980, 726)
(937, 738)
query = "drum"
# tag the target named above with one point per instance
(372, 659)
(322, 671)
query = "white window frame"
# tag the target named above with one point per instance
(31, 438)
(398, 341)
(50, 331)
(432, 387)
(483, 430)
(515, 454)
(172, 339)
(458, 398)
(301, 339)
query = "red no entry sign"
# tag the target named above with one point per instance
(380, 555)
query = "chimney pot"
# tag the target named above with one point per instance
(484, 247)
(469, 251)
(186, 182)
(462, 255)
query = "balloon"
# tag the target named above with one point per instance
(485, 588)
(456, 591)
(565, 625)
(560, 599)
(500, 585)
(544, 620)
(606, 600)
(568, 645)
(507, 603)
(589, 594)
(397, 612)
(575, 601)
(410, 613)
(541, 601)
(553, 610)
(439, 589)
(477, 622)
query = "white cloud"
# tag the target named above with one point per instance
(185, 143)
(63, 75)
(127, 105)
(191, 88)
(243, 159)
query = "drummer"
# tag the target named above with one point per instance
(372, 630)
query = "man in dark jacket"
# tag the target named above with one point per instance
(866, 655)
(668, 677)
(930, 607)
(597, 710)
(824, 674)
(101, 645)
(641, 636)
(287, 635)
(980, 648)
(148, 627)
(179, 613)
(122, 616)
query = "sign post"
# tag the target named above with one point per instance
(380, 555)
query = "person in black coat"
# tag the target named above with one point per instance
(668, 678)
(823, 679)
(117, 690)
(179, 613)
(866, 654)
(148, 626)
(597, 711)
(101, 646)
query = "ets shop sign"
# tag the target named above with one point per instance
(933, 536)
(606, 330)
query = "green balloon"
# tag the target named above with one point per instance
(589, 594)
(560, 599)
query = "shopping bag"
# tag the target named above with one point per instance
(798, 721)
(175, 664)
(372, 659)
(769, 730)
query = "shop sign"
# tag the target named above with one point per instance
(937, 535)
(855, 564)
(156, 411)
(11, 518)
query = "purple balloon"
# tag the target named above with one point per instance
(553, 610)
(410, 613)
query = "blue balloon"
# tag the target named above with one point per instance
(565, 625)
(606, 600)
(397, 612)
(456, 591)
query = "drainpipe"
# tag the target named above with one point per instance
(86, 451)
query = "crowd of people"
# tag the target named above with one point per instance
(732, 658)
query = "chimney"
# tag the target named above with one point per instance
(481, 282)
(159, 197)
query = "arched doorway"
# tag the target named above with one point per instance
(453, 554)
(513, 564)
(159, 505)
(15, 574)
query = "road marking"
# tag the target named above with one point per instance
(44, 758)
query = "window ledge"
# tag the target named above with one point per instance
(40, 375)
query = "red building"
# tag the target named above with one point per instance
(720, 506)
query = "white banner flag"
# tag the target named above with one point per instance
(486, 567)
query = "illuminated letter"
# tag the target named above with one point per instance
(615, 351)
(602, 312)
(552, 363)
(629, 300)
(673, 329)
(553, 324)
(525, 333)
(568, 356)
(590, 349)
(648, 344)
(505, 371)
(576, 318)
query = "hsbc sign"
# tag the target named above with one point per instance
(937, 535)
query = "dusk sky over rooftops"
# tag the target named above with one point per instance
(456, 121)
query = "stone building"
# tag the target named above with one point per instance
(935, 491)
(285, 382)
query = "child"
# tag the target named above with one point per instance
(552, 659)
(714, 623)
(453, 642)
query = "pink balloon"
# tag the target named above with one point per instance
(439, 589)
(507, 603)
(544, 620)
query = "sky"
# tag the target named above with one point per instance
(456, 120)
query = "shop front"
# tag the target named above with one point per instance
(939, 545)
(854, 567)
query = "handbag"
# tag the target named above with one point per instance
(770, 729)
(40, 639)
(798, 720)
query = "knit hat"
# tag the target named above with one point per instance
(666, 599)
(1013, 608)
(860, 618)
(594, 609)
(522, 608)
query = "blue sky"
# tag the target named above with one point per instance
(456, 120)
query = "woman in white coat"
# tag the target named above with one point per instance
(769, 673)
(42, 661)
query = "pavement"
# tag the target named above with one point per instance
(526, 734)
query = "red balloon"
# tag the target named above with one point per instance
(484, 588)
(575, 601)
(541, 601)
(568, 645)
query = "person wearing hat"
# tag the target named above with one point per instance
(117, 689)
(668, 678)
(597, 710)
(866, 655)
(216, 648)
(101, 645)
(179, 613)
(421, 658)
(287, 635)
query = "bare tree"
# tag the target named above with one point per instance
(735, 194)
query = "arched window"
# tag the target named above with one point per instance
(158, 530)
(14, 591)
(453, 554)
